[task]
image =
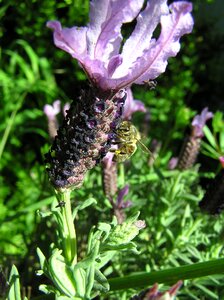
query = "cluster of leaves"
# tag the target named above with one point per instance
(176, 233)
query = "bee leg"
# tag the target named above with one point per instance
(116, 142)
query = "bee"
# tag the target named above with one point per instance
(127, 138)
(151, 84)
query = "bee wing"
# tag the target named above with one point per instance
(145, 149)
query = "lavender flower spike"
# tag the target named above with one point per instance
(142, 58)
(192, 143)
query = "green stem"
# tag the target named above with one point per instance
(121, 175)
(169, 276)
(69, 234)
(10, 123)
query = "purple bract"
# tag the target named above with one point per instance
(97, 47)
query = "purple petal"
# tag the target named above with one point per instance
(221, 160)
(126, 204)
(172, 163)
(108, 160)
(114, 62)
(97, 46)
(131, 106)
(120, 197)
(106, 19)
(153, 62)
(139, 41)
(71, 40)
(52, 110)
(199, 122)
(174, 25)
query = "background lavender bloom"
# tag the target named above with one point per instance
(142, 58)
(109, 169)
(199, 122)
(120, 204)
(51, 111)
(154, 294)
(192, 144)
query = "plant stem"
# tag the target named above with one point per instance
(10, 123)
(69, 234)
(169, 276)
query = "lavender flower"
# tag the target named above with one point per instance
(119, 205)
(83, 139)
(51, 112)
(199, 122)
(143, 58)
(192, 144)
(85, 136)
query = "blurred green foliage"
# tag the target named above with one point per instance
(33, 73)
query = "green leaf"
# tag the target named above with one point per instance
(210, 150)
(101, 284)
(208, 292)
(43, 263)
(83, 205)
(210, 137)
(221, 141)
(14, 285)
(32, 56)
(217, 122)
(60, 274)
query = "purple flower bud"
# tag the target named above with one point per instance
(120, 197)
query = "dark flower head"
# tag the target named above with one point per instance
(142, 57)
(83, 139)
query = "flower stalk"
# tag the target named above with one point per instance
(67, 228)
